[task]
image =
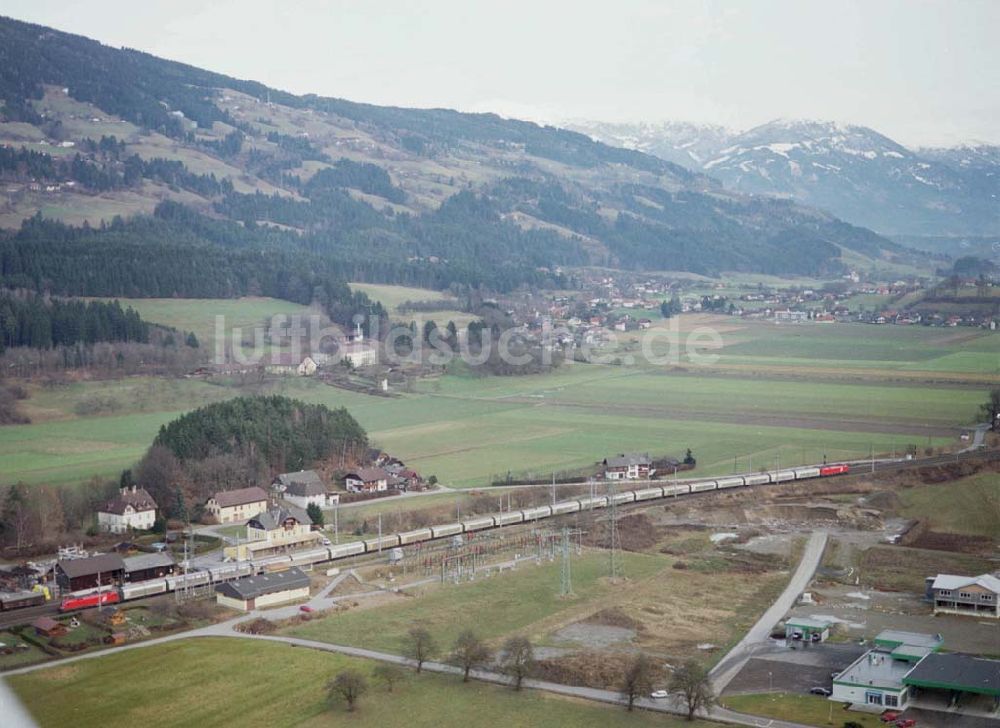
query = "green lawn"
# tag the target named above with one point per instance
(494, 607)
(969, 506)
(808, 709)
(219, 681)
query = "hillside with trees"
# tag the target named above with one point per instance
(241, 442)
(318, 188)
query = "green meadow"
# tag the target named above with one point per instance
(774, 395)
(206, 681)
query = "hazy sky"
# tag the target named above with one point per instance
(920, 71)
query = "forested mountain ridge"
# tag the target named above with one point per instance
(431, 197)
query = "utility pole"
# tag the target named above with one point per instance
(614, 542)
(336, 522)
(380, 533)
(566, 577)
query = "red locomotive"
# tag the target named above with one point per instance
(89, 600)
(834, 469)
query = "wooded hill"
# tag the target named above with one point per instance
(426, 197)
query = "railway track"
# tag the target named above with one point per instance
(370, 550)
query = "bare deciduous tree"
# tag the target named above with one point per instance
(469, 652)
(389, 674)
(691, 681)
(348, 686)
(419, 646)
(517, 659)
(637, 680)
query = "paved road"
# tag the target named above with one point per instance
(728, 667)
(978, 438)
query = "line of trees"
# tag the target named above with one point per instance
(42, 324)
(690, 682)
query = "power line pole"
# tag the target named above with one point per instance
(566, 577)
(615, 571)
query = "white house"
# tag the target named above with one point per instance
(367, 480)
(133, 508)
(234, 506)
(628, 466)
(305, 488)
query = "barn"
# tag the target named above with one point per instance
(264, 590)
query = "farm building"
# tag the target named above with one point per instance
(304, 488)
(288, 365)
(367, 480)
(90, 572)
(978, 596)
(236, 506)
(264, 590)
(133, 508)
(148, 566)
(48, 627)
(628, 466)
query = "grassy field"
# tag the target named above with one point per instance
(495, 607)
(468, 430)
(808, 709)
(205, 682)
(671, 609)
(895, 568)
(392, 296)
(777, 395)
(969, 506)
(199, 314)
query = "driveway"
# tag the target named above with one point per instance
(758, 636)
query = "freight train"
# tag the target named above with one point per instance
(226, 571)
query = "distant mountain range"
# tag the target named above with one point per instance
(851, 171)
(152, 154)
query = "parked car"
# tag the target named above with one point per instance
(796, 635)
(816, 637)
(659, 694)
(905, 723)
(825, 692)
(890, 716)
(306, 608)
(326, 542)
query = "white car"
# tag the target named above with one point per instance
(659, 694)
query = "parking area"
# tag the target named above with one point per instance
(938, 719)
(793, 670)
(863, 615)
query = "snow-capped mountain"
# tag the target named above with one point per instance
(680, 142)
(852, 171)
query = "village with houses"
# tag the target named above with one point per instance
(278, 546)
